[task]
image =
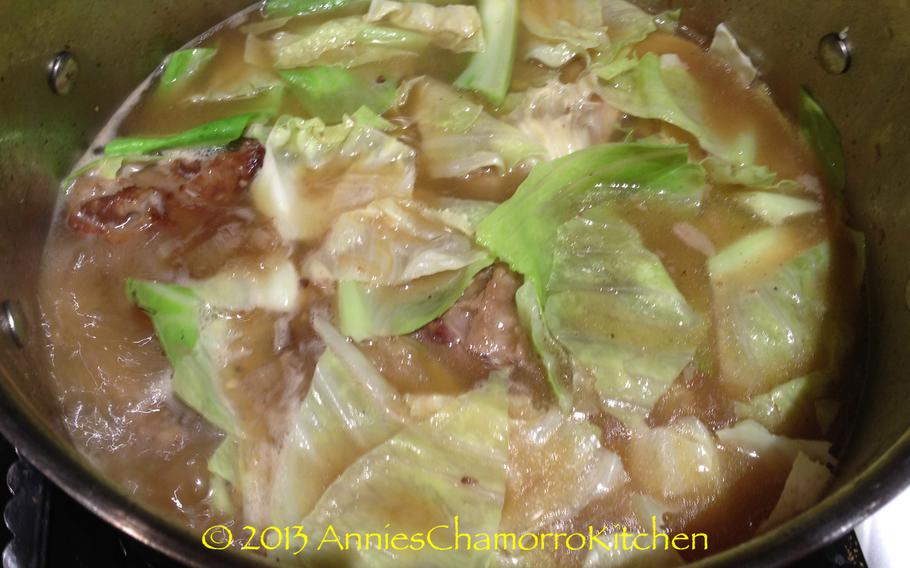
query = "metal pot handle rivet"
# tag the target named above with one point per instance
(62, 72)
(834, 53)
(12, 323)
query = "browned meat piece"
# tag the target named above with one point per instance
(223, 177)
(130, 209)
(154, 194)
(485, 320)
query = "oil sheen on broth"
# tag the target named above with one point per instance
(622, 291)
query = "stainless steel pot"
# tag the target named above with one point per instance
(116, 43)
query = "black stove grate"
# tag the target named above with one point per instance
(52, 530)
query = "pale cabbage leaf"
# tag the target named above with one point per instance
(557, 466)
(562, 30)
(789, 403)
(454, 27)
(349, 41)
(459, 137)
(751, 438)
(725, 47)
(392, 242)
(367, 311)
(564, 118)
(349, 410)
(662, 88)
(313, 172)
(771, 303)
(612, 303)
(804, 487)
(690, 465)
(451, 464)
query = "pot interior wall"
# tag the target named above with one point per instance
(118, 42)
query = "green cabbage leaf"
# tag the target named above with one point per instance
(823, 136)
(367, 311)
(598, 291)
(791, 403)
(490, 71)
(523, 230)
(289, 8)
(331, 92)
(195, 329)
(279, 9)
(556, 359)
(216, 133)
(183, 64)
